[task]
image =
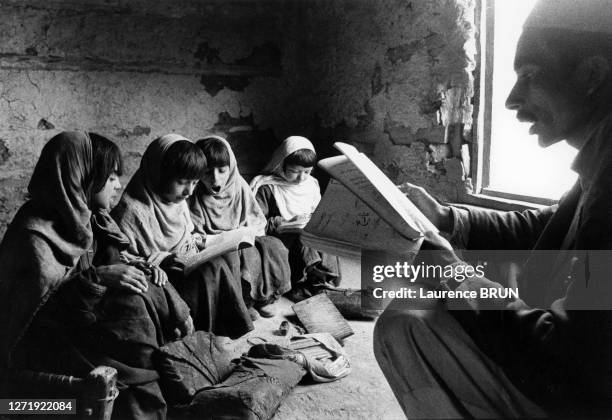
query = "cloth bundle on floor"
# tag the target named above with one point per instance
(253, 391)
(320, 354)
(188, 365)
(198, 377)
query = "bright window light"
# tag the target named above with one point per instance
(517, 164)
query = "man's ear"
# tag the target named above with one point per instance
(591, 73)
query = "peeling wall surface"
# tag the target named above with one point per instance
(395, 78)
(392, 77)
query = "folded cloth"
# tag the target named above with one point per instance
(253, 391)
(197, 361)
(320, 354)
(328, 371)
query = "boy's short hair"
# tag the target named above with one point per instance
(106, 160)
(183, 160)
(215, 151)
(303, 157)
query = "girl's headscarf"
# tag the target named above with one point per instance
(232, 207)
(47, 236)
(291, 199)
(154, 228)
(59, 189)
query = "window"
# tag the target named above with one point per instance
(512, 164)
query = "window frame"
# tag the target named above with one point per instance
(483, 113)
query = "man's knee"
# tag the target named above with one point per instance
(399, 314)
(397, 326)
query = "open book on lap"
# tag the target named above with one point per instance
(220, 244)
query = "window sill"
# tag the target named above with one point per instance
(500, 203)
(539, 201)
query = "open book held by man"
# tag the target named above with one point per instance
(363, 209)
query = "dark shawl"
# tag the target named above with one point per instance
(85, 324)
(47, 236)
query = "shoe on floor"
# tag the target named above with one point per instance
(253, 314)
(267, 311)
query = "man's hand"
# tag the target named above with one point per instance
(439, 214)
(435, 241)
(173, 263)
(439, 249)
(122, 276)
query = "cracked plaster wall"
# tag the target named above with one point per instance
(393, 77)
(134, 73)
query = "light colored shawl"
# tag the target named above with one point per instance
(234, 206)
(291, 199)
(47, 236)
(154, 228)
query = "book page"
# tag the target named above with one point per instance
(379, 181)
(331, 246)
(380, 200)
(221, 244)
(344, 220)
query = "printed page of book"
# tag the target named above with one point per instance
(331, 246)
(380, 182)
(342, 169)
(219, 245)
(341, 216)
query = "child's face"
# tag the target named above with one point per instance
(177, 190)
(296, 174)
(105, 198)
(215, 178)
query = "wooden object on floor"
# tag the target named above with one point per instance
(318, 314)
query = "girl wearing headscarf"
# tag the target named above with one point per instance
(154, 215)
(287, 193)
(223, 201)
(69, 301)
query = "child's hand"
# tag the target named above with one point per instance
(200, 240)
(156, 275)
(300, 218)
(122, 276)
(125, 259)
(142, 265)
